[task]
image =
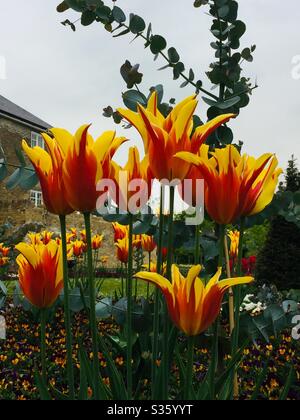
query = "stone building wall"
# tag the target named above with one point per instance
(11, 135)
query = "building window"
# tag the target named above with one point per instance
(36, 198)
(37, 140)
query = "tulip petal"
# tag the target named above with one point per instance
(158, 280)
(63, 138)
(224, 285)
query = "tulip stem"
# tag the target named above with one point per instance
(197, 245)
(237, 300)
(228, 274)
(149, 267)
(188, 386)
(157, 296)
(122, 280)
(237, 296)
(221, 248)
(169, 276)
(68, 326)
(215, 336)
(129, 309)
(92, 296)
(43, 345)
(231, 312)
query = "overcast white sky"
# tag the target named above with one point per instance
(67, 78)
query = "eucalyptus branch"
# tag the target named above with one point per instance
(171, 65)
(222, 86)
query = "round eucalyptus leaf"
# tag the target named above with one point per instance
(88, 17)
(158, 43)
(118, 14)
(132, 98)
(136, 24)
(173, 55)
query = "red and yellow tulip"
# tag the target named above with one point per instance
(46, 237)
(78, 248)
(192, 306)
(148, 243)
(122, 247)
(190, 190)
(120, 231)
(49, 168)
(152, 267)
(97, 241)
(234, 237)
(165, 137)
(40, 272)
(4, 261)
(135, 170)
(86, 163)
(4, 251)
(235, 185)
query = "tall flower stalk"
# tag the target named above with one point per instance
(215, 336)
(129, 308)
(43, 345)
(159, 265)
(166, 355)
(92, 298)
(237, 294)
(68, 324)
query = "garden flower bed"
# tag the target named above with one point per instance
(20, 353)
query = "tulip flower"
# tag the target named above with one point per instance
(34, 238)
(123, 249)
(4, 261)
(190, 190)
(164, 253)
(234, 237)
(4, 250)
(192, 306)
(152, 267)
(49, 168)
(138, 239)
(104, 259)
(148, 243)
(78, 248)
(46, 237)
(86, 163)
(40, 273)
(120, 231)
(236, 185)
(97, 241)
(165, 137)
(134, 178)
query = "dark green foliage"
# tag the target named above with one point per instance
(292, 177)
(279, 261)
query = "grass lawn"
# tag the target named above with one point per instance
(108, 287)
